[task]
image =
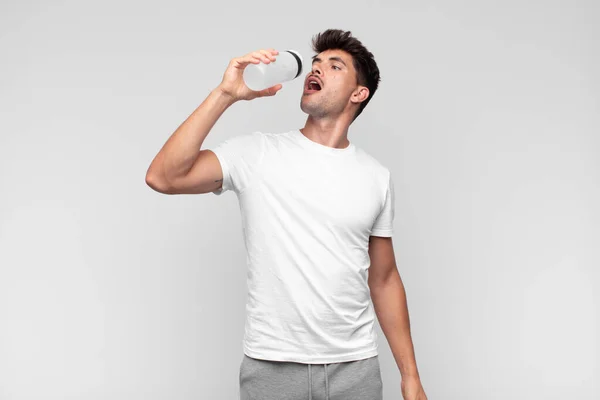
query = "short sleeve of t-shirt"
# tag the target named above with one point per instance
(239, 157)
(384, 224)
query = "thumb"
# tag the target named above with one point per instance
(270, 91)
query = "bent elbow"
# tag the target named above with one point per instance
(156, 183)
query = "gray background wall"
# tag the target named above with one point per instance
(487, 115)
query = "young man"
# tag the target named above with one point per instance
(317, 215)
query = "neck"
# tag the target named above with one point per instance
(327, 132)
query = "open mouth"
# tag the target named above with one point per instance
(312, 85)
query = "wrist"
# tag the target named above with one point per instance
(223, 96)
(410, 372)
(414, 377)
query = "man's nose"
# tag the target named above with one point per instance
(316, 70)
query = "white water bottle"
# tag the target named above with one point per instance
(286, 67)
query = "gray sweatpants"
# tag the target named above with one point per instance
(282, 380)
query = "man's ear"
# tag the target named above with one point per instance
(360, 95)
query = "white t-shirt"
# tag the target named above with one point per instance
(307, 213)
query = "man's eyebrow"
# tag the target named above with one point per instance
(317, 59)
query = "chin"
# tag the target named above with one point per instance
(314, 112)
(310, 109)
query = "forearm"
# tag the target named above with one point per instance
(389, 301)
(180, 151)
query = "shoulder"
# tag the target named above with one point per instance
(373, 165)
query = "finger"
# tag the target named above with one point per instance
(257, 54)
(273, 52)
(241, 62)
(254, 58)
(268, 54)
(262, 55)
(270, 91)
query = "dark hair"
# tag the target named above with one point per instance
(364, 63)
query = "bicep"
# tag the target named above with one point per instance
(383, 260)
(205, 176)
